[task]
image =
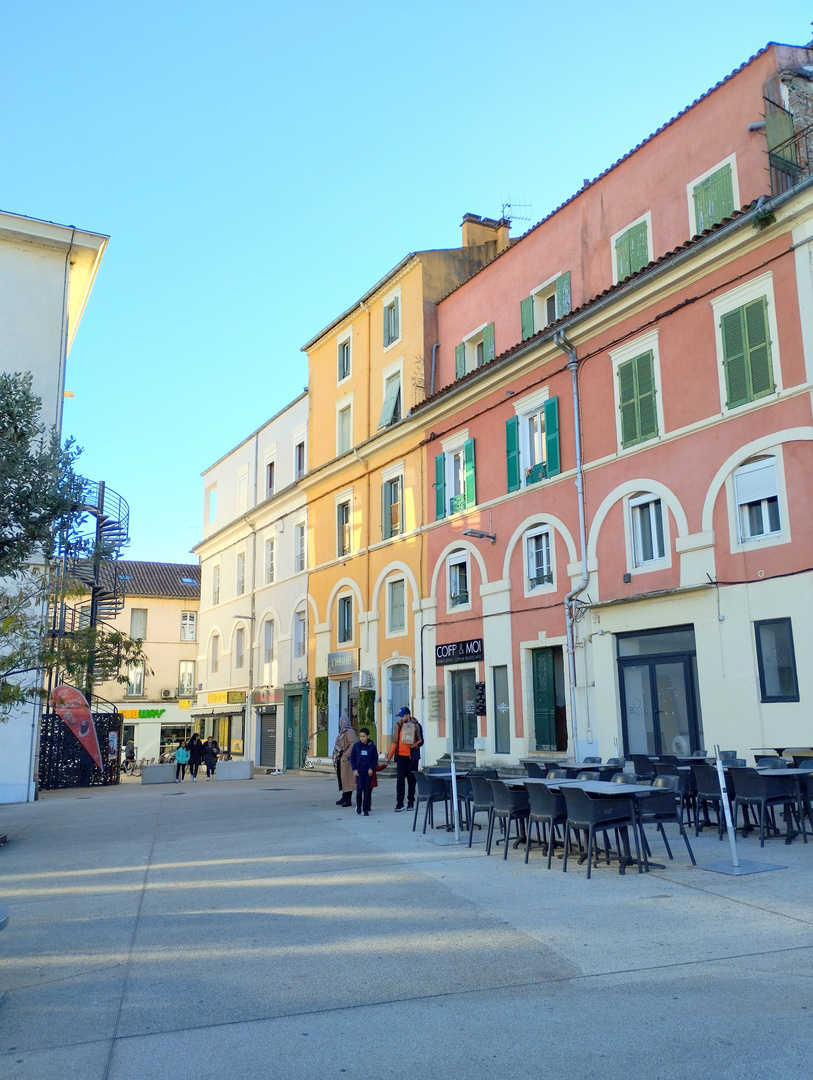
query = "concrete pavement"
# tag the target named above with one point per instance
(255, 929)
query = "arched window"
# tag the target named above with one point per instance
(757, 499)
(214, 654)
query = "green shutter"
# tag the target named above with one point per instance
(645, 393)
(713, 199)
(459, 361)
(526, 317)
(544, 691)
(468, 454)
(759, 348)
(631, 251)
(626, 403)
(622, 256)
(488, 343)
(512, 453)
(440, 487)
(732, 329)
(553, 465)
(396, 322)
(563, 304)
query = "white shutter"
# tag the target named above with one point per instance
(756, 481)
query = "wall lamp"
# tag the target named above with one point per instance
(478, 534)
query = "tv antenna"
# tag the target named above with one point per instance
(514, 210)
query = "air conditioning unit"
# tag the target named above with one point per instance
(362, 680)
(165, 694)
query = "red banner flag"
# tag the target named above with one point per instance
(71, 707)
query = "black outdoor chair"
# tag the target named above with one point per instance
(623, 778)
(708, 794)
(772, 763)
(684, 787)
(657, 809)
(597, 816)
(644, 768)
(763, 793)
(728, 755)
(700, 754)
(587, 775)
(430, 790)
(533, 768)
(591, 760)
(547, 808)
(509, 805)
(615, 761)
(556, 774)
(482, 800)
(464, 796)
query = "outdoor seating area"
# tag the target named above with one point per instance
(595, 812)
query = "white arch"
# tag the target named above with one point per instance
(343, 584)
(531, 522)
(800, 434)
(458, 545)
(389, 569)
(294, 608)
(631, 487)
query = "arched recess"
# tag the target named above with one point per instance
(758, 446)
(388, 571)
(529, 523)
(342, 585)
(630, 487)
(460, 545)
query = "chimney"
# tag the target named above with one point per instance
(482, 230)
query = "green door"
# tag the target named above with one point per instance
(295, 731)
(544, 699)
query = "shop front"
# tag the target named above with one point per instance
(223, 717)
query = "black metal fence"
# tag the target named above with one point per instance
(64, 762)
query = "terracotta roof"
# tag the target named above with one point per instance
(180, 580)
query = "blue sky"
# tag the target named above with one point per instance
(258, 166)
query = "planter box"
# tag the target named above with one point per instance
(158, 774)
(235, 770)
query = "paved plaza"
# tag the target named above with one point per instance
(255, 929)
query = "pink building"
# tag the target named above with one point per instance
(637, 579)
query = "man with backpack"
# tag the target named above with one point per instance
(406, 749)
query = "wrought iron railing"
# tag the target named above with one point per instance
(455, 599)
(791, 160)
(457, 503)
(536, 473)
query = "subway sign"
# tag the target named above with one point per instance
(459, 652)
(142, 714)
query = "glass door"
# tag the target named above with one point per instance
(464, 704)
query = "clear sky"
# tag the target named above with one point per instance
(259, 165)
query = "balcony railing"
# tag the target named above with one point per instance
(456, 599)
(536, 473)
(791, 160)
(457, 503)
(540, 579)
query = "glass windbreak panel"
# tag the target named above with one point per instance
(672, 639)
(673, 708)
(638, 710)
(464, 705)
(502, 722)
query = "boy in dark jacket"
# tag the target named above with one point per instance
(363, 761)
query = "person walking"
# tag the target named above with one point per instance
(363, 762)
(210, 754)
(195, 748)
(341, 756)
(406, 749)
(181, 759)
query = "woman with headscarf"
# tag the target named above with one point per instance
(341, 756)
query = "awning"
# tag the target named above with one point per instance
(218, 710)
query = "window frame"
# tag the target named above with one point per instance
(757, 542)
(764, 696)
(454, 560)
(393, 630)
(344, 619)
(389, 303)
(730, 301)
(142, 611)
(300, 635)
(542, 529)
(344, 348)
(631, 350)
(635, 507)
(536, 306)
(270, 475)
(211, 504)
(214, 653)
(459, 443)
(300, 547)
(344, 525)
(182, 692)
(477, 349)
(389, 408)
(643, 219)
(240, 574)
(691, 187)
(299, 443)
(269, 638)
(344, 408)
(239, 648)
(215, 584)
(269, 560)
(189, 618)
(389, 477)
(136, 675)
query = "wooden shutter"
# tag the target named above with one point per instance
(459, 360)
(563, 295)
(512, 453)
(639, 249)
(468, 456)
(440, 487)
(488, 343)
(759, 348)
(626, 403)
(713, 199)
(645, 394)
(732, 330)
(526, 317)
(553, 465)
(622, 256)
(544, 699)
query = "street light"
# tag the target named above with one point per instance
(480, 535)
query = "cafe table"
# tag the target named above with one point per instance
(589, 766)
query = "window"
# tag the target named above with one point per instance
(269, 562)
(343, 528)
(747, 353)
(454, 479)
(532, 441)
(240, 574)
(189, 626)
(538, 562)
(458, 580)
(299, 633)
(270, 477)
(776, 660)
(636, 399)
(242, 491)
(186, 678)
(239, 648)
(646, 514)
(268, 641)
(214, 653)
(395, 605)
(211, 505)
(299, 548)
(631, 249)
(392, 320)
(476, 350)
(757, 498)
(712, 196)
(135, 680)
(392, 507)
(545, 305)
(391, 410)
(345, 619)
(344, 429)
(299, 460)
(138, 623)
(215, 585)
(343, 355)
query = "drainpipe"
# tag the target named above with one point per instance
(573, 367)
(435, 348)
